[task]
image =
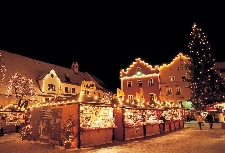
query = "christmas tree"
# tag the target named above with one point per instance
(205, 81)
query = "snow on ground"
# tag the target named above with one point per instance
(187, 140)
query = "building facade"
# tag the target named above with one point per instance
(51, 82)
(173, 80)
(165, 83)
(140, 78)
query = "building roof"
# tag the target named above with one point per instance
(221, 67)
(35, 69)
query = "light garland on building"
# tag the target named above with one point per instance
(133, 65)
(2, 69)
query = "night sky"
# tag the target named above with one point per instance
(107, 37)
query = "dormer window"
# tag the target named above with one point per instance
(51, 87)
(138, 71)
(172, 78)
(67, 78)
(150, 82)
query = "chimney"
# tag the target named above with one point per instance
(75, 67)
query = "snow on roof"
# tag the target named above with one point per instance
(35, 69)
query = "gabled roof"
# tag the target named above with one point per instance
(35, 69)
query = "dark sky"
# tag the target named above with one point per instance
(107, 37)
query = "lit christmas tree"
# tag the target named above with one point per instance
(22, 88)
(2, 69)
(205, 81)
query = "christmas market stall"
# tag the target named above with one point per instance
(135, 120)
(11, 115)
(97, 121)
(55, 123)
(173, 118)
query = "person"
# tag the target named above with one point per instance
(18, 123)
(188, 118)
(1, 126)
(209, 118)
(162, 117)
(199, 119)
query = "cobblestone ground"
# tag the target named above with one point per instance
(187, 140)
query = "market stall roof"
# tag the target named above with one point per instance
(209, 108)
(132, 105)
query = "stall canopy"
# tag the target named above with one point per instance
(210, 108)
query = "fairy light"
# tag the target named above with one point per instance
(21, 87)
(2, 69)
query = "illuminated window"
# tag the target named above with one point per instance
(139, 83)
(129, 84)
(183, 78)
(178, 90)
(139, 71)
(51, 87)
(73, 90)
(152, 96)
(169, 91)
(172, 78)
(130, 97)
(150, 82)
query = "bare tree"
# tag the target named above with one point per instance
(22, 88)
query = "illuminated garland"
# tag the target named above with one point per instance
(2, 69)
(27, 129)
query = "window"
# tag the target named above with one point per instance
(138, 71)
(130, 97)
(129, 84)
(222, 70)
(66, 90)
(46, 99)
(73, 90)
(180, 103)
(178, 90)
(99, 94)
(172, 78)
(51, 87)
(183, 78)
(52, 75)
(169, 91)
(139, 83)
(152, 96)
(150, 82)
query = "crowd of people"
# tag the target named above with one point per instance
(208, 118)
